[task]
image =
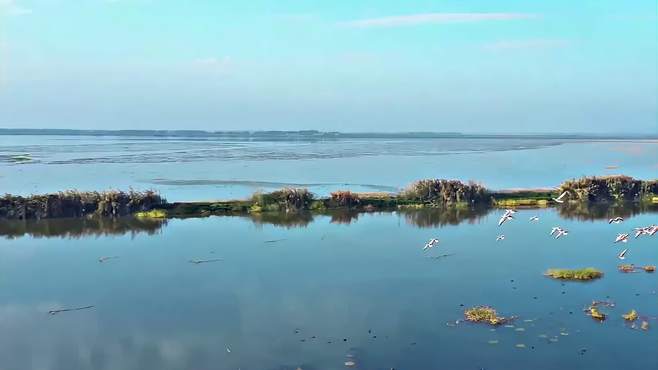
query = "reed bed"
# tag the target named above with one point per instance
(442, 192)
(78, 204)
(609, 188)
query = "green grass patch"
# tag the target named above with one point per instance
(154, 213)
(589, 273)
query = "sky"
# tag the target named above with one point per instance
(474, 66)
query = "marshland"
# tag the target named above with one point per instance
(324, 265)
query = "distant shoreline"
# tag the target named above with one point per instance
(316, 135)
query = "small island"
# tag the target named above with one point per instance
(431, 193)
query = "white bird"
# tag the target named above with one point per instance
(622, 255)
(534, 218)
(653, 229)
(616, 220)
(555, 229)
(621, 238)
(500, 237)
(559, 199)
(560, 233)
(510, 211)
(642, 231)
(505, 217)
(228, 349)
(431, 244)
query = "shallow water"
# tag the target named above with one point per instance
(308, 291)
(202, 169)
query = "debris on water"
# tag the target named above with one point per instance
(519, 329)
(649, 268)
(484, 314)
(564, 334)
(509, 326)
(350, 363)
(553, 340)
(631, 316)
(520, 345)
(645, 325)
(55, 312)
(197, 262)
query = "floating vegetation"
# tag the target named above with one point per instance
(626, 268)
(78, 204)
(589, 273)
(649, 268)
(631, 316)
(154, 213)
(484, 314)
(441, 192)
(594, 312)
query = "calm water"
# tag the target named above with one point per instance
(308, 291)
(198, 169)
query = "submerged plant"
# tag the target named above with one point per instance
(631, 316)
(589, 273)
(484, 314)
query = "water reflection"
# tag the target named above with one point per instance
(74, 228)
(422, 218)
(604, 211)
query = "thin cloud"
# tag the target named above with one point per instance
(12, 8)
(526, 44)
(435, 18)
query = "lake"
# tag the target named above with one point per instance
(314, 291)
(193, 168)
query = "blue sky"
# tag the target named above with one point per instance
(467, 65)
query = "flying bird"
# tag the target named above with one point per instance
(621, 238)
(534, 218)
(560, 233)
(500, 237)
(555, 230)
(430, 244)
(616, 220)
(559, 199)
(506, 216)
(622, 255)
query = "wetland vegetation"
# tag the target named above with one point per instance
(587, 197)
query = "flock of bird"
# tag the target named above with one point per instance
(559, 232)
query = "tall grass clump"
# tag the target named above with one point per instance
(345, 198)
(286, 199)
(609, 188)
(78, 204)
(440, 192)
